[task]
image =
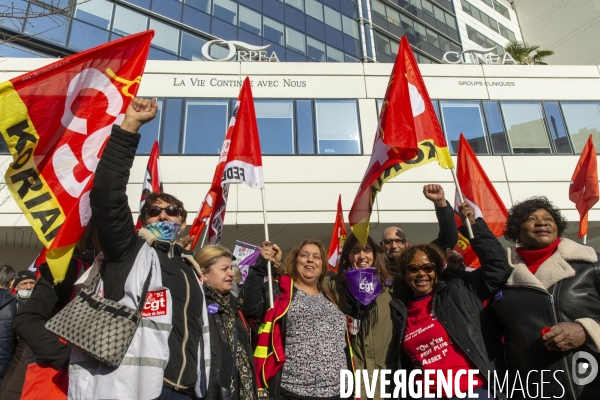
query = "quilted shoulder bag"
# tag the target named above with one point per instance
(100, 327)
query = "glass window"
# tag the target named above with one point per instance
(172, 126)
(350, 27)
(14, 50)
(196, 19)
(434, 103)
(225, 10)
(202, 5)
(314, 9)
(50, 27)
(128, 22)
(337, 127)
(96, 12)
(273, 30)
(334, 55)
(379, 10)
(84, 36)
(275, 119)
(191, 47)
(583, 120)
(295, 40)
(165, 36)
(464, 117)
(382, 43)
(393, 16)
(223, 29)
(316, 49)
(205, 126)
(141, 3)
(168, 8)
(20, 7)
(501, 9)
(525, 124)
(299, 4)
(150, 131)
(250, 20)
(306, 141)
(558, 133)
(495, 127)
(332, 18)
(507, 33)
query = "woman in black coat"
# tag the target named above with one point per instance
(229, 334)
(441, 321)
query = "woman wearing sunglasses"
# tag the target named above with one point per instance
(440, 321)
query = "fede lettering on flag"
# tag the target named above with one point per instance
(55, 121)
(408, 136)
(583, 190)
(152, 180)
(338, 237)
(240, 161)
(480, 193)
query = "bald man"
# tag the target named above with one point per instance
(393, 240)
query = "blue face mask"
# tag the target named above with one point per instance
(168, 231)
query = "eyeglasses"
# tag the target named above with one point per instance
(397, 242)
(414, 269)
(170, 210)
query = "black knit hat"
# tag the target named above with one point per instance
(23, 275)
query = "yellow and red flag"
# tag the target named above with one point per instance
(584, 185)
(480, 193)
(152, 180)
(408, 136)
(55, 121)
(338, 237)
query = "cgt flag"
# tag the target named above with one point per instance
(240, 161)
(584, 185)
(408, 136)
(152, 181)
(338, 237)
(55, 121)
(481, 195)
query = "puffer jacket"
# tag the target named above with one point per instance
(457, 303)
(565, 288)
(8, 311)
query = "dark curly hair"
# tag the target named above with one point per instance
(519, 213)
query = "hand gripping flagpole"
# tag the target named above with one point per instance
(270, 275)
(462, 199)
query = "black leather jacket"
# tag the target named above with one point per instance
(457, 303)
(566, 288)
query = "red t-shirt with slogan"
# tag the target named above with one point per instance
(428, 344)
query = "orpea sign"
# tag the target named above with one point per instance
(474, 56)
(243, 51)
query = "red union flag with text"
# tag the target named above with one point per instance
(408, 136)
(240, 161)
(338, 237)
(152, 180)
(55, 121)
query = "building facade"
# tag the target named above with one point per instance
(317, 123)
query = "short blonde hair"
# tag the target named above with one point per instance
(208, 255)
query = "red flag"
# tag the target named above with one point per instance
(240, 162)
(338, 237)
(409, 135)
(481, 195)
(152, 181)
(56, 120)
(584, 185)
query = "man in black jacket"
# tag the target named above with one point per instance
(393, 240)
(8, 311)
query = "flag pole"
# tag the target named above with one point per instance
(270, 275)
(585, 238)
(462, 199)
(204, 237)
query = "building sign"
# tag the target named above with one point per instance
(473, 56)
(243, 51)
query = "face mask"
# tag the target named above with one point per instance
(168, 231)
(363, 284)
(24, 293)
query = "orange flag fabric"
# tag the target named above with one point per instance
(480, 193)
(583, 190)
(338, 237)
(408, 136)
(55, 121)
(152, 180)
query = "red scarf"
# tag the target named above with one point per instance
(534, 258)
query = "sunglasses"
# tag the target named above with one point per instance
(171, 211)
(414, 269)
(397, 242)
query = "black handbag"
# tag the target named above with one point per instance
(100, 327)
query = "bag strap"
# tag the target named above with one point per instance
(142, 301)
(233, 366)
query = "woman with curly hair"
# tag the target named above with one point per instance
(439, 315)
(550, 307)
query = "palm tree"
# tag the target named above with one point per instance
(521, 52)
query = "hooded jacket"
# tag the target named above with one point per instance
(565, 288)
(8, 311)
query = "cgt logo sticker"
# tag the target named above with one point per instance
(156, 304)
(584, 372)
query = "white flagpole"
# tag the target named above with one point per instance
(205, 233)
(264, 201)
(462, 199)
(585, 238)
